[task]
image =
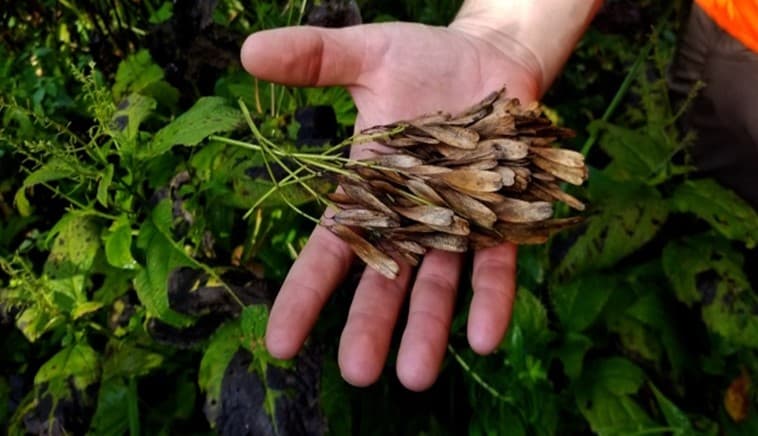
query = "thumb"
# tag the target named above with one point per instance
(306, 56)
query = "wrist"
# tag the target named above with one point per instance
(539, 34)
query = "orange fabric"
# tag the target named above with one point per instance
(738, 17)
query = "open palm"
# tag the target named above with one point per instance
(393, 71)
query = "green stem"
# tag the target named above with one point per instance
(478, 379)
(235, 142)
(285, 182)
(265, 150)
(620, 94)
(133, 408)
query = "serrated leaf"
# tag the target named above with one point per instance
(724, 210)
(207, 116)
(118, 244)
(161, 257)
(530, 318)
(707, 270)
(628, 215)
(603, 398)
(253, 325)
(78, 364)
(579, 302)
(635, 154)
(253, 321)
(136, 73)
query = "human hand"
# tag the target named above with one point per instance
(394, 71)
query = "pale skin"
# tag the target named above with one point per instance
(398, 71)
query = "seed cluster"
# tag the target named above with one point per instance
(485, 176)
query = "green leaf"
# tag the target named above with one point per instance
(35, 321)
(638, 338)
(129, 115)
(675, 418)
(162, 256)
(253, 321)
(687, 259)
(221, 349)
(336, 97)
(707, 270)
(163, 13)
(253, 324)
(22, 203)
(78, 364)
(649, 310)
(127, 360)
(486, 420)
(602, 395)
(571, 352)
(136, 73)
(333, 399)
(104, 184)
(627, 216)
(71, 257)
(579, 302)
(85, 308)
(111, 415)
(724, 210)
(117, 282)
(118, 244)
(529, 320)
(54, 169)
(635, 154)
(208, 116)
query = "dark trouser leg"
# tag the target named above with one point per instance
(725, 113)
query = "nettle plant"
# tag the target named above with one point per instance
(147, 243)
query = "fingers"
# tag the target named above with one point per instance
(306, 56)
(494, 283)
(431, 310)
(318, 270)
(366, 338)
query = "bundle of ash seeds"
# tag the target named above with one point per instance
(488, 175)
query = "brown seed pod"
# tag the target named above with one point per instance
(374, 258)
(365, 218)
(431, 215)
(482, 177)
(473, 180)
(455, 136)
